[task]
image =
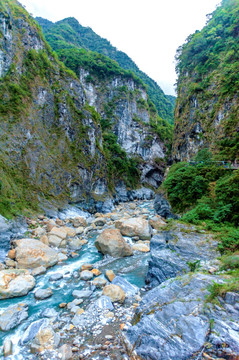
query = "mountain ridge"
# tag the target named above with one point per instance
(74, 33)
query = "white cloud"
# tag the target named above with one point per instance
(148, 31)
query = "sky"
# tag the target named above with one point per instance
(147, 31)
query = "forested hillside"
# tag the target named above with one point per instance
(68, 32)
(207, 110)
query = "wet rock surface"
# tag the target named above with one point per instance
(179, 251)
(98, 306)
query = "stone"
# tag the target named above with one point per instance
(178, 306)
(42, 294)
(49, 313)
(162, 207)
(32, 330)
(69, 231)
(61, 257)
(96, 272)
(44, 239)
(79, 230)
(38, 271)
(45, 339)
(104, 303)
(12, 254)
(13, 316)
(15, 283)
(32, 253)
(10, 263)
(110, 275)
(157, 222)
(65, 352)
(60, 232)
(129, 289)
(56, 277)
(56, 241)
(115, 293)
(172, 252)
(74, 303)
(100, 221)
(134, 227)
(99, 282)
(39, 231)
(50, 225)
(111, 242)
(7, 347)
(79, 222)
(62, 305)
(86, 267)
(75, 244)
(82, 294)
(141, 247)
(86, 275)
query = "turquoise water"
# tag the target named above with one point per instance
(132, 268)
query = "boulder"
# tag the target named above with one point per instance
(100, 221)
(69, 231)
(7, 347)
(49, 313)
(111, 242)
(176, 252)
(45, 339)
(32, 330)
(15, 282)
(134, 227)
(86, 275)
(59, 232)
(56, 277)
(115, 293)
(162, 207)
(12, 254)
(110, 275)
(42, 294)
(82, 294)
(32, 253)
(13, 316)
(79, 222)
(104, 302)
(99, 282)
(75, 244)
(157, 222)
(65, 352)
(141, 247)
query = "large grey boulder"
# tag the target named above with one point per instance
(111, 242)
(15, 282)
(162, 207)
(179, 251)
(32, 330)
(32, 253)
(173, 322)
(134, 227)
(42, 294)
(13, 316)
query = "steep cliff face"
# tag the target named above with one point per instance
(124, 110)
(50, 144)
(207, 109)
(69, 136)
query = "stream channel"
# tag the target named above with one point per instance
(133, 269)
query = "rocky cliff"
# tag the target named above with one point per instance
(69, 30)
(206, 112)
(52, 147)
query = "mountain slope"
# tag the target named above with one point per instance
(71, 32)
(55, 147)
(207, 107)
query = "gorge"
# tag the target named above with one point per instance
(118, 223)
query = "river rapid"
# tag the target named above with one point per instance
(97, 335)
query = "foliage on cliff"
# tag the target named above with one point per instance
(207, 109)
(68, 32)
